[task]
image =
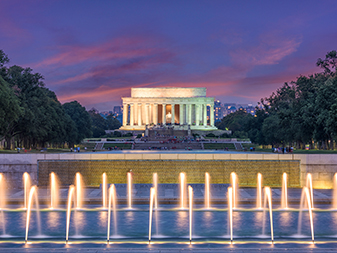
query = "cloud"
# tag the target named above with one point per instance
(266, 53)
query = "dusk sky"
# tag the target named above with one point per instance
(95, 51)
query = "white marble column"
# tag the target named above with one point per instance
(125, 114)
(197, 112)
(189, 121)
(173, 114)
(155, 114)
(211, 114)
(205, 114)
(147, 121)
(164, 114)
(151, 113)
(181, 114)
(132, 114)
(139, 114)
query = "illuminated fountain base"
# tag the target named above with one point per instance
(209, 227)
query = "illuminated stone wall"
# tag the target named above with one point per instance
(167, 92)
(168, 171)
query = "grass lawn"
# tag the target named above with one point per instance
(219, 146)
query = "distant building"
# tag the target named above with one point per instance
(117, 110)
(217, 111)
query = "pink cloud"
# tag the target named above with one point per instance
(124, 48)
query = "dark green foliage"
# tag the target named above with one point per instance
(81, 126)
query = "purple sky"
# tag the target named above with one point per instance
(95, 51)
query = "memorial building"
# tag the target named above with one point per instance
(180, 108)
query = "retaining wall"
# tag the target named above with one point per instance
(322, 166)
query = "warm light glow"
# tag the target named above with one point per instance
(70, 195)
(309, 186)
(29, 208)
(112, 200)
(54, 194)
(207, 191)
(190, 195)
(284, 198)
(152, 195)
(268, 198)
(182, 190)
(230, 210)
(104, 189)
(26, 186)
(155, 185)
(309, 201)
(129, 190)
(78, 190)
(259, 191)
(234, 182)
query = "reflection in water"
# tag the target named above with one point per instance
(103, 218)
(285, 218)
(80, 221)
(53, 220)
(237, 220)
(258, 218)
(129, 217)
(182, 220)
(208, 218)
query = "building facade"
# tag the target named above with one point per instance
(181, 108)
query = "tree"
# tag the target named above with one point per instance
(98, 124)
(329, 64)
(236, 122)
(10, 110)
(112, 123)
(82, 121)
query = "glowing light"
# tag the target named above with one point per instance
(284, 198)
(190, 195)
(70, 195)
(182, 190)
(207, 191)
(129, 190)
(259, 191)
(152, 195)
(104, 189)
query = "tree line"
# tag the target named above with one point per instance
(32, 117)
(302, 112)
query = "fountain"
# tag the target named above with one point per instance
(54, 191)
(230, 198)
(112, 200)
(182, 177)
(306, 201)
(32, 192)
(267, 197)
(207, 191)
(259, 191)
(235, 188)
(155, 186)
(96, 223)
(79, 190)
(26, 188)
(104, 190)
(284, 197)
(129, 191)
(309, 186)
(70, 197)
(152, 196)
(190, 200)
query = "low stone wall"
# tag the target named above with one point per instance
(322, 167)
(168, 171)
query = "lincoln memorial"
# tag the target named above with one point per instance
(181, 108)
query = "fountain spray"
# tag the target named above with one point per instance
(104, 189)
(259, 191)
(54, 194)
(32, 192)
(284, 198)
(112, 200)
(70, 196)
(207, 191)
(268, 197)
(230, 198)
(190, 195)
(26, 187)
(129, 185)
(235, 193)
(152, 196)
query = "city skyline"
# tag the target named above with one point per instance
(94, 52)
